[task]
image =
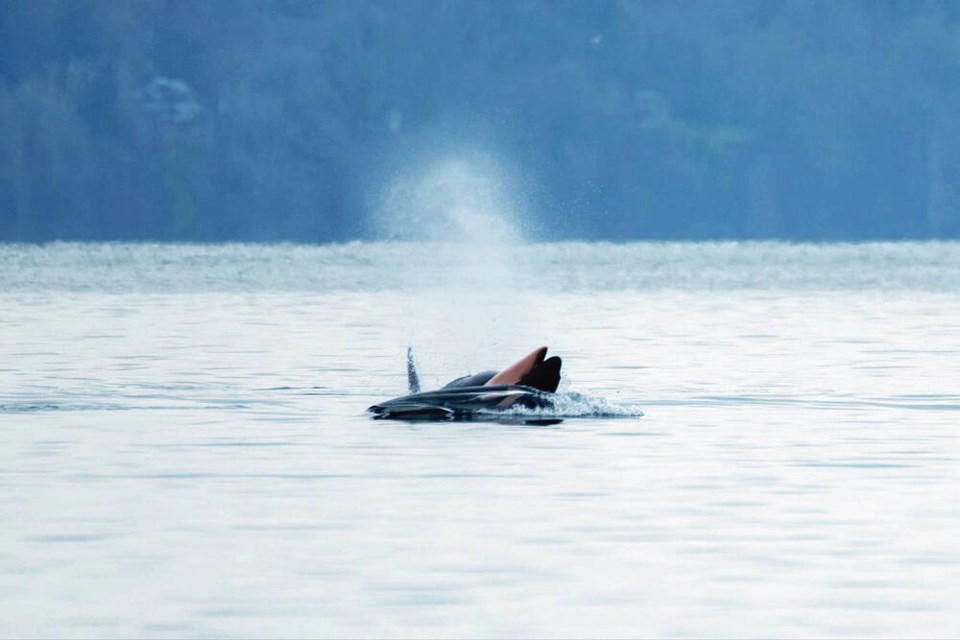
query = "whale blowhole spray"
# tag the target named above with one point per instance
(465, 198)
(458, 222)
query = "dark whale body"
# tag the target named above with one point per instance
(530, 383)
(462, 403)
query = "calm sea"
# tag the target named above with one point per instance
(184, 449)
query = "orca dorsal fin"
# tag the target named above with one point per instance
(545, 376)
(413, 380)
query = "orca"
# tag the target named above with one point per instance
(529, 383)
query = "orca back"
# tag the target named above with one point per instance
(476, 380)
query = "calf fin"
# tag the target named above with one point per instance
(413, 380)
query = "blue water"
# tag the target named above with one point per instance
(184, 450)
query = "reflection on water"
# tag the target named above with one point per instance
(194, 462)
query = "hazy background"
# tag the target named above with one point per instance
(291, 120)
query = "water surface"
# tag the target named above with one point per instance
(184, 449)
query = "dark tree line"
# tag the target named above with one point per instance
(275, 119)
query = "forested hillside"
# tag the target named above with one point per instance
(278, 119)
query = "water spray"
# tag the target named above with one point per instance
(459, 224)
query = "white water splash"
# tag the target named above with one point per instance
(569, 404)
